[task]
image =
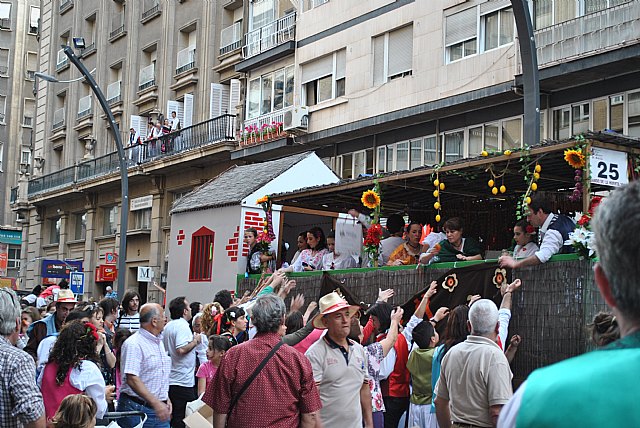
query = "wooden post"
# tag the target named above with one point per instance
(586, 178)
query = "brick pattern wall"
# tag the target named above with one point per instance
(252, 219)
(232, 245)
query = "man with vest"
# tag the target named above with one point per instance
(600, 388)
(52, 324)
(553, 231)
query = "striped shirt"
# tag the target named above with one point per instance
(144, 356)
(129, 322)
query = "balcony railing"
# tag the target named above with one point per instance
(84, 107)
(194, 137)
(231, 38)
(113, 93)
(62, 60)
(2, 118)
(260, 123)
(14, 195)
(116, 32)
(186, 59)
(58, 119)
(152, 9)
(270, 36)
(603, 30)
(88, 49)
(147, 77)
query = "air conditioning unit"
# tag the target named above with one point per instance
(296, 120)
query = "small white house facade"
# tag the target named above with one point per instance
(206, 251)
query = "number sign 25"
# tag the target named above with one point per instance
(608, 167)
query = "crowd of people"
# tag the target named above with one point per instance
(152, 140)
(256, 362)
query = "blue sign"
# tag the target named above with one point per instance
(76, 282)
(10, 236)
(59, 268)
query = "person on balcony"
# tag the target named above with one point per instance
(311, 258)
(334, 260)
(408, 252)
(455, 247)
(133, 146)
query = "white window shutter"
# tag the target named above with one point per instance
(400, 50)
(173, 106)
(139, 123)
(461, 26)
(378, 60)
(234, 96)
(188, 110)
(317, 68)
(215, 100)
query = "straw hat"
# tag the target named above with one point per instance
(330, 303)
(66, 296)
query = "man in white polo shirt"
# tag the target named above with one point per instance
(181, 344)
(340, 367)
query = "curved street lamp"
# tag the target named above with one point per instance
(115, 130)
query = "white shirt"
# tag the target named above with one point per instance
(201, 349)
(331, 261)
(89, 380)
(177, 334)
(389, 362)
(175, 123)
(44, 349)
(520, 252)
(552, 241)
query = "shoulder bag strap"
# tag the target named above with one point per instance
(248, 382)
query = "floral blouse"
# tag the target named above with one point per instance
(313, 260)
(376, 355)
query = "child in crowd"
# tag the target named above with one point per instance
(218, 346)
(523, 234)
(75, 411)
(333, 260)
(425, 339)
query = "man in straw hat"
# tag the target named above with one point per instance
(52, 324)
(340, 367)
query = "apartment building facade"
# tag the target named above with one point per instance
(151, 58)
(19, 32)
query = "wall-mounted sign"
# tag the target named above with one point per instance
(145, 274)
(10, 236)
(141, 203)
(59, 268)
(111, 258)
(76, 282)
(4, 259)
(106, 273)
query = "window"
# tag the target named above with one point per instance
(25, 156)
(3, 109)
(262, 13)
(453, 146)
(89, 34)
(579, 119)
(600, 108)
(511, 134)
(461, 34)
(561, 124)
(117, 20)
(324, 78)
(634, 114)
(80, 226)
(497, 27)
(4, 62)
(147, 75)
(616, 113)
(266, 92)
(29, 111)
(34, 20)
(549, 12)
(430, 150)
(201, 260)
(5, 16)
(142, 219)
(568, 121)
(311, 4)
(407, 155)
(392, 55)
(110, 220)
(1, 157)
(186, 58)
(32, 65)
(54, 230)
(354, 165)
(13, 258)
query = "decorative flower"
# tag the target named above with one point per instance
(575, 158)
(499, 277)
(450, 282)
(91, 330)
(583, 240)
(530, 229)
(263, 199)
(370, 199)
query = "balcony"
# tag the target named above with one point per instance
(58, 119)
(116, 33)
(114, 95)
(27, 121)
(186, 60)
(147, 77)
(231, 38)
(591, 34)
(88, 50)
(263, 128)
(5, 24)
(65, 5)
(193, 138)
(151, 10)
(62, 61)
(269, 36)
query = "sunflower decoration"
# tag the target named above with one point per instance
(370, 199)
(575, 158)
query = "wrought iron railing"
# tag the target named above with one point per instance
(116, 32)
(231, 38)
(212, 131)
(151, 11)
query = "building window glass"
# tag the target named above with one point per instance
(324, 78)
(382, 152)
(393, 55)
(54, 230)
(561, 124)
(402, 156)
(80, 226)
(579, 119)
(616, 113)
(511, 134)
(110, 220)
(142, 219)
(430, 150)
(498, 28)
(634, 114)
(265, 94)
(13, 258)
(453, 146)
(416, 154)
(347, 166)
(262, 13)
(201, 260)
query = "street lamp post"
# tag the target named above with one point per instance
(124, 177)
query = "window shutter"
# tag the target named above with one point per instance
(378, 60)
(461, 26)
(316, 69)
(188, 110)
(34, 16)
(494, 5)
(139, 123)
(234, 96)
(5, 10)
(215, 100)
(341, 63)
(400, 50)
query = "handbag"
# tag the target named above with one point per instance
(251, 378)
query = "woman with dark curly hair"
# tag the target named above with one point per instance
(231, 323)
(73, 368)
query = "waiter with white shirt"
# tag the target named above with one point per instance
(554, 231)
